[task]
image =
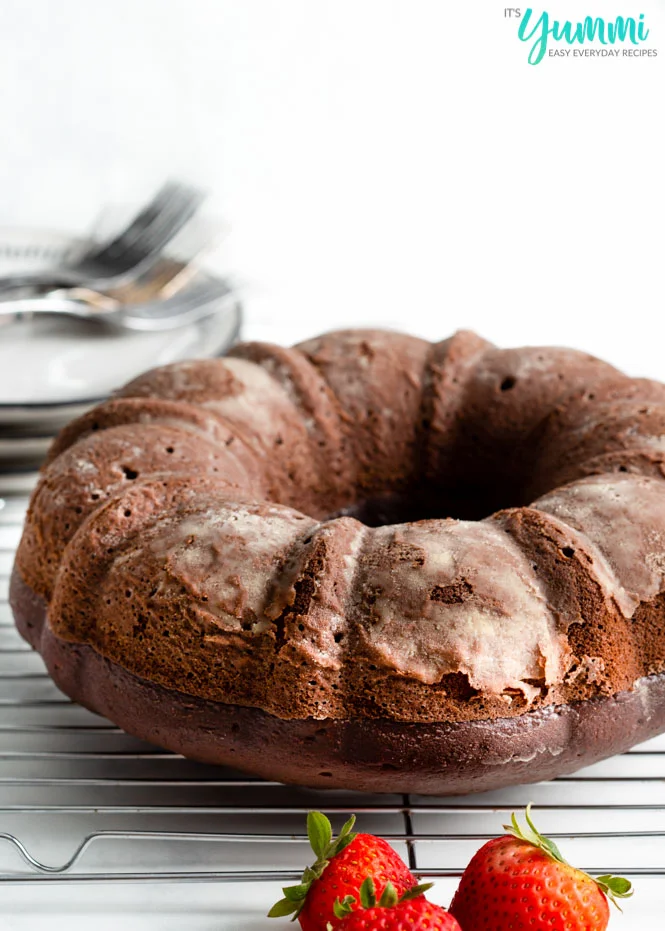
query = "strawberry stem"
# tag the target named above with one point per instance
(614, 887)
(531, 835)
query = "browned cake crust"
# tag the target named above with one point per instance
(256, 561)
(442, 758)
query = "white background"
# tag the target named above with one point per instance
(378, 161)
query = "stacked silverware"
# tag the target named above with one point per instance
(127, 303)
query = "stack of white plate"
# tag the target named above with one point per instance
(54, 368)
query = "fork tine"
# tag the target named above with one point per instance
(160, 221)
(129, 253)
(144, 218)
(153, 240)
(181, 207)
(164, 229)
(173, 204)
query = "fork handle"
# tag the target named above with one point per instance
(45, 305)
(38, 280)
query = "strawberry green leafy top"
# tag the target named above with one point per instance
(325, 847)
(614, 887)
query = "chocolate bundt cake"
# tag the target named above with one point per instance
(366, 562)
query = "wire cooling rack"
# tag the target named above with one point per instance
(83, 803)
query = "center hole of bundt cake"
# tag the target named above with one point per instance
(426, 504)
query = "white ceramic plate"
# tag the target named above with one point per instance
(17, 483)
(51, 368)
(24, 448)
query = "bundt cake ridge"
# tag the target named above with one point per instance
(364, 526)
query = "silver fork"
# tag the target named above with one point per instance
(199, 300)
(129, 253)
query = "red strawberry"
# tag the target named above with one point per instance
(411, 913)
(406, 916)
(340, 868)
(521, 882)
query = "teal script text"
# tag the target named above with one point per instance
(621, 29)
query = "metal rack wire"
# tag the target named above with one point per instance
(82, 801)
